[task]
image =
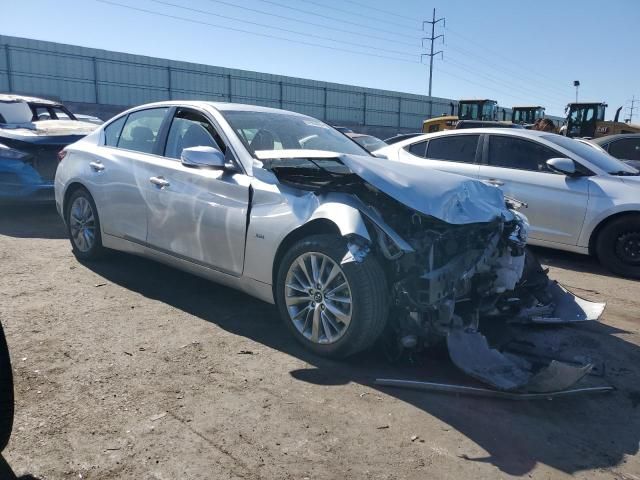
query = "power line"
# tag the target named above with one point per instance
(280, 29)
(336, 19)
(465, 79)
(386, 12)
(493, 52)
(359, 14)
(320, 25)
(249, 32)
(486, 61)
(510, 86)
(513, 85)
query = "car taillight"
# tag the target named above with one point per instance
(61, 155)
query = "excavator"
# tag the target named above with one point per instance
(586, 119)
(479, 109)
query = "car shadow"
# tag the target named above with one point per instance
(31, 221)
(7, 473)
(572, 261)
(570, 434)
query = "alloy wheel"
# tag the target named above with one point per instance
(82, 224)
(318, 298)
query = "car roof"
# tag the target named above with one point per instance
(518, 132)
(611, 138)
(12, 98)
(219, 106)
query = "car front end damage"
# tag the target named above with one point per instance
(454, 251)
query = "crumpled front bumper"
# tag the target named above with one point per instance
(505, 371)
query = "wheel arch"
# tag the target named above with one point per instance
(71, 189)
(593, 238)
(313, 227)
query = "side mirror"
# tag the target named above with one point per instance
(202, 157)
(564, 166)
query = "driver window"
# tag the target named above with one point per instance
(191, 129)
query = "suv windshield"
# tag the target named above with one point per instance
(267, 131)
(599, 158)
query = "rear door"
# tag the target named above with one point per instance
(449, 153)
(131, 144)
(199, 214)
(557, 203)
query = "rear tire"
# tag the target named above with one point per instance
(618, 246)
(360, 294)
(83, 225)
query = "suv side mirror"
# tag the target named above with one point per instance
(564, 166)
(202, 157)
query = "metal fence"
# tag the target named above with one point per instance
(100, 77)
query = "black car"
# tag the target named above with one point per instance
(625, 146)
(400, 137)
(32, 132)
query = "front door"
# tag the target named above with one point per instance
(199, 214)
(557, 204)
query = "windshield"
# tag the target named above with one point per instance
(599, 158)
(268, 131)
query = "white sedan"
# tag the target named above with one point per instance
(579, 199)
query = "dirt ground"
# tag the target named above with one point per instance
(127, 369)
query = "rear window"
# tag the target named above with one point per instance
(455, 148)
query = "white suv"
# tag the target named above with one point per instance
(579, 199)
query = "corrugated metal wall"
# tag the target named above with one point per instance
(86, 75)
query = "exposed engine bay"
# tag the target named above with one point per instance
(453, 283)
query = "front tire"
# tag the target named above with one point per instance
(618, 246)
(83, 226)
(333, 309)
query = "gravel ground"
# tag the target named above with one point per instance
(127, 369)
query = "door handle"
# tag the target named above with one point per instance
(159, 182)
(496, 182)
(96, 166)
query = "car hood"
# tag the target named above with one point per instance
(449, 197)
(47, 128)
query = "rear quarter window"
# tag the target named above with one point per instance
(112, 132)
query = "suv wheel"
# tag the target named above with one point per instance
(618, 246)
(334, 310)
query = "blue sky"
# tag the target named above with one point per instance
(515, 52)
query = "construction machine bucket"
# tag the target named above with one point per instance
(470, 352)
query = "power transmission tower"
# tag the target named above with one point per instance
(633, 101)
(432, 54)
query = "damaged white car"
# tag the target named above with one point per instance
(350, 247)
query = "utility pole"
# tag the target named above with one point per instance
(632, 107)
(576, 83)
(432, 39)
